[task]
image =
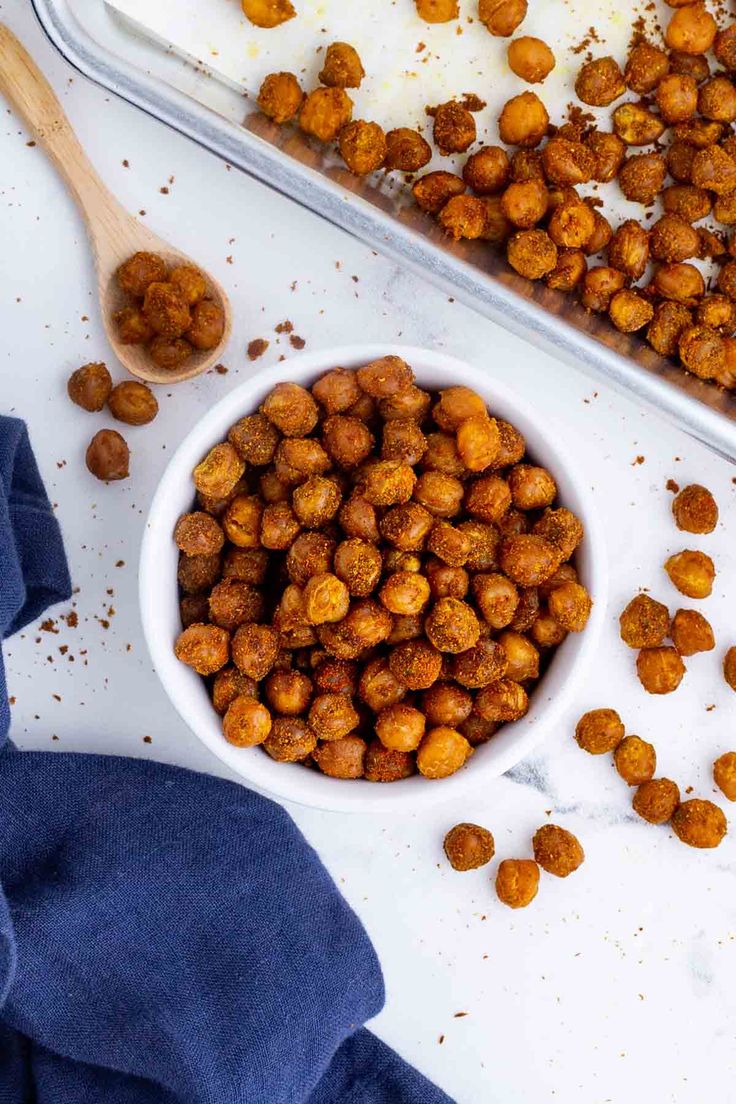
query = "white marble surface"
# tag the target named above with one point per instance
(616, 985)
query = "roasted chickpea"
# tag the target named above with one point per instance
(569, 271)
(644, 623)
(463, 217)
(645, 68)
(368, 623)
(725, 47)
(635, 760)
(446, 581)
(455, 406)
(326, 599)
(714, 170)
(193, 608)
(290, 620)
(442, 752)
(717, 312)
(523, 121)
(572, 225)
(717, 100)
(332, 716)
(529, 559)
(90, 386)
(343, 758)
(694, 65)
(189, 282)
(656, 800)
(198, 534)
(629, 249)
(660, 670)
(630, 311)
(673, 240)
(343, 67)
(692, 573)
(570, 605)
(688, 201)
(416, 664)
(288, 692)
(384, 765)
(531, 59)
(208, 325)
(291, 409)
(677, 97)
(487, 172)
(729, 667)
(531, 487)
(478, 731)
(669, 322)
(234, 603)
(683, 283)
(242, 521)
(724, 774)
(108, 456)
(362, 146)
(336, 676)
(246, 722)
(601, 236)
(557, 851)
(608, 155)
(699, 823)
(165, 310)
(599, 286)
(378, 686)
(135, 275)
(695, 510)
(406, 150)
(502, 17)
(526, 164)
(280, 97)
(385, 377)
(642, 176)
(497, 598)
(691, 633)
(405, 593)
(133, 328)
(400, 727)
(562, 529)
(268, 13)
(358, 564)
(680, 157)
(336, 390)
(254, 438)
(316, 501)
(452, 626)
(522, 658)
(468, 846)
(325, 112)
(196, 574)
(410, 403)
(599, 731)
(230, 684)
(691, 30)
(255, 649)
(502, 701)
(546, 632)
(600, 82)
(290, 740)
(454, 128)
(433, 190)
(133, 403)
(638, 127)
(205, 648)
(439, 494)
(480, 666)
(347, 440)
(218, 473)
(517, 882)
(445, 703)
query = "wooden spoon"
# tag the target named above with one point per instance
(114, 234)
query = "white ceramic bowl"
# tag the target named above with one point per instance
(160, 604)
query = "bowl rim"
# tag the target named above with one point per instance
(292, 782)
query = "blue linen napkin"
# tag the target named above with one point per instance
(165, 937)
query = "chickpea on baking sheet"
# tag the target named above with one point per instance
(374, 602)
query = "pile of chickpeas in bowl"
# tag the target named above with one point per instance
(374, 577)
(671, 144)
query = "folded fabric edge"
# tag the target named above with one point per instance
(367, 1071)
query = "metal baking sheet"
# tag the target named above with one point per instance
(198, 87)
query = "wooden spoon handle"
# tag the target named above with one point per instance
(26, 88)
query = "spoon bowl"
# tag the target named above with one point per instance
(113, 233)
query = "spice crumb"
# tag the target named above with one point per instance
(670, 485)
(297, 342)
(257, 348)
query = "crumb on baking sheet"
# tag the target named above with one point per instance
(670, 485)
